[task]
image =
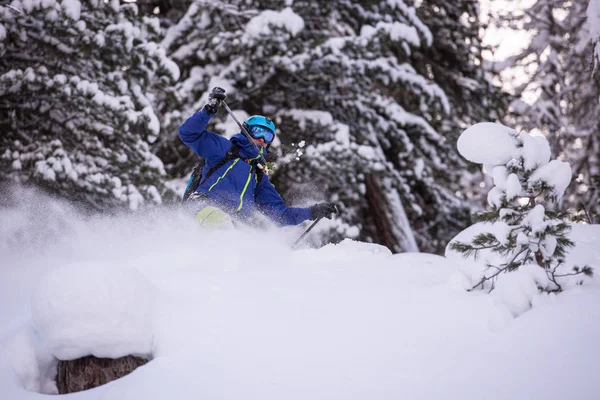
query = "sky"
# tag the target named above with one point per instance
(508, 41)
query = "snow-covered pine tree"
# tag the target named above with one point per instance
(76, 103)
(524, 226)
(559, 74)
(455, 62)
(338, 76)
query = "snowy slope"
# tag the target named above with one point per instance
(238, 315)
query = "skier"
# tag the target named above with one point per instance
(232, 181)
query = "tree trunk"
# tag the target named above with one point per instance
(89, 372)
(400, 240)
(378, 209)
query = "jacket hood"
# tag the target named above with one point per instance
(247, 149)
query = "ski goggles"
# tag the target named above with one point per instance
(260, 132)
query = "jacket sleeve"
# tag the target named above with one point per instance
(205, 143)
(271, 204)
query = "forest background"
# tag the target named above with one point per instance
(369, 99)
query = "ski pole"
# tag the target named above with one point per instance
(306, 231)
(244, 131)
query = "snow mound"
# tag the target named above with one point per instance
(518, 290)
(346, 321)
(350, 246)
(488, 143)
(94, 309)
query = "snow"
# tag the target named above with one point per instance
(286, 18)
(153, 124)
(518, 290)
(535, 219)
(80, 25)
(234, 315)
(501, 231)
(52, 15)
(413, 18)
(593, 20)
(23, 349)
(72, 9)
(513, 187)
(396, 31)
(494, 197)
(303, 116)
(92, 308)
(556, 173)
(536, 151)
(99, 39)
(585, 252)
(46, 171)
(500, 175)
(342, 135)
(419, 167)
(185, 22)
(48, 3)
(154, 50)
(498, 148)
(488, 143)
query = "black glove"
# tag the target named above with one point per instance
(323, 210)
(216, 96)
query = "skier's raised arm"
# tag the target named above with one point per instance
(194, 134)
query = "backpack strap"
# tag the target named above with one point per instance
(259, 174)
(233, 153)
(194, 180)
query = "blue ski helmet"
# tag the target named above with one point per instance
(259, 120)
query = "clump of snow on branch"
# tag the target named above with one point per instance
(500, 149)
(286, 18)
(488, 143)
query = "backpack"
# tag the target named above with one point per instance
(233, 153)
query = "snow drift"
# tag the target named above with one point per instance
(240, 315)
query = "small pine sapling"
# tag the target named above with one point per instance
(527, 229)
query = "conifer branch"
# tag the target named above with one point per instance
(508, 267)
(12, 8)
(485, 279)
(586, 270)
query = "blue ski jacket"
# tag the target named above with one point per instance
(233, 186)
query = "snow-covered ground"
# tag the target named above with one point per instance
(239, 315)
